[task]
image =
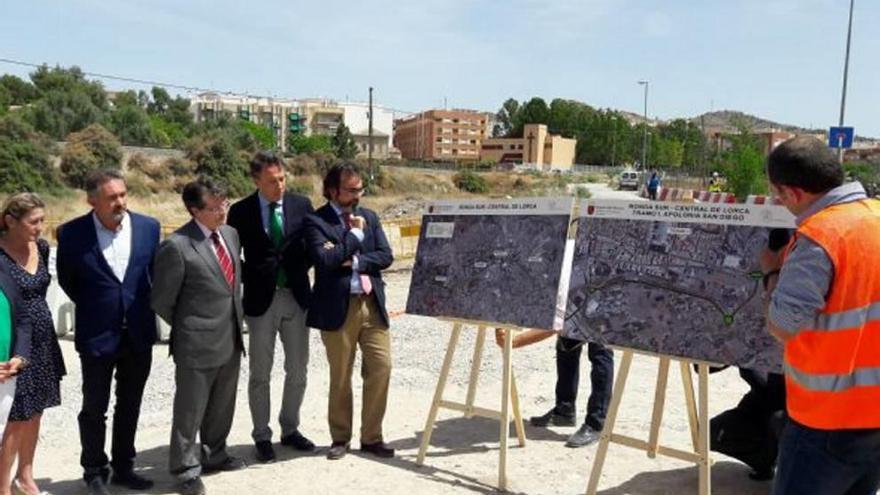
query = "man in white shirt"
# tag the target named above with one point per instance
(104, 263)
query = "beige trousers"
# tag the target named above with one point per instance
(363, 327)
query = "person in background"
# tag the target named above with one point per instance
(653, 186)
(24, 256)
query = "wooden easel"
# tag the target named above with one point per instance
(509, 395)
(698, 419)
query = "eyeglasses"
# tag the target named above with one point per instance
(218, 209)
(353, 190)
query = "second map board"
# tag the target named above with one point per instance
(674, 279)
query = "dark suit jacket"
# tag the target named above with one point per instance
(103, 301)
(332, 280)
(192, 295)
(262, 260)
(21, 323)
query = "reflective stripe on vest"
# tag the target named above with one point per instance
(832, 367)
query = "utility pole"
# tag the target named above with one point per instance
(645, 134)
(370, 139)
(845, 76)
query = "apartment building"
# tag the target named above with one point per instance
(282, 115)
(442, 135)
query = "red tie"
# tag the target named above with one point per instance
(223, 258)
(366, 283)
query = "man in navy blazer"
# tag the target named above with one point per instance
(104, 263)
(277, 293)
(350, 250)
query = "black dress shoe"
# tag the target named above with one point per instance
(338, 450)
(193, 486)
(131, 480)
(96, 486)
(298, 442)
(552, 418)
(378, 449)
(230, 464)
(265, 452)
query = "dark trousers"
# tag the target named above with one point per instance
(568, 361)
(827, 462)
(132, 370)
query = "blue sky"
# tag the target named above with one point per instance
(779, 59)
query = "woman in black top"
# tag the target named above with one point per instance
(24, 256)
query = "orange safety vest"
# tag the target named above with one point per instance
(832, 367)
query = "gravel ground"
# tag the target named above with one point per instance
(463, 456)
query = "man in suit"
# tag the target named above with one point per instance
(104, 263)
(276, 296)
(350, 250)
(196, 289)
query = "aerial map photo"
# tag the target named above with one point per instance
(689, 288)
(492, 261)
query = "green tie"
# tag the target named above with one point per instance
(277, 235)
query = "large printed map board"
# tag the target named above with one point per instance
(674, 279)
(493, 261)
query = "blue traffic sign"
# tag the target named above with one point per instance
(841, 137)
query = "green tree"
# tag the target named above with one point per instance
(535, 111)
(132, 126)
(216, 155)
(343, 143)
(24, 158)
(743, 164)
(90, 149)
(505, 118)
(20, 91)
(58, 113)
(265, 136)
(300, 144)
(5, 100)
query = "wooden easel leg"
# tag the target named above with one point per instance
(438, 393)
(505, 411)
(517, 414)
(703, 450)
(605, 440)
(476, 362)
(687, 382)
(659, 402)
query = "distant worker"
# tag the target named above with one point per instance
(715, 183)
(823, 294)
(653, 186)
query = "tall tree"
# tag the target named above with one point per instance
(343, 143)
(505, 118)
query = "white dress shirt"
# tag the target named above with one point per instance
(115, 244)
(208, 232)
(359, 233)
(265, 210)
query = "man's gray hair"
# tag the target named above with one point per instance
(100, 177)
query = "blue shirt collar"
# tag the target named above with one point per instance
(264, 203)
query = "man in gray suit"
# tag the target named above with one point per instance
(197, 290)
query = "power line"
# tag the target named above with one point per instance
(182, 87)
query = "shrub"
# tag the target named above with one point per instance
(24, 158)
(470, 182)
(90, 149)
